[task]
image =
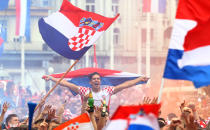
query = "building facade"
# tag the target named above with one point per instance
(122, 47)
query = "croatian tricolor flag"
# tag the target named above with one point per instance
(23, 18)
(81, 122)
(142, 117)
(154, 6)
(189, 49)
(108, 77)
(72, 31)
(2, 34)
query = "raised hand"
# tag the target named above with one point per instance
(51, 114)
(44, 125)
(182, 105)
(154, 100)
(144, 79)
(146, 100)
(46, 109)
(46, 77)
(6, 105)
(85, 98)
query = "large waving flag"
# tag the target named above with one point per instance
(81, 122)
(72, 31)
(142, 117)
(154, 6)
(108, 77)
(23, 18)
(3, 4)
(189, 49)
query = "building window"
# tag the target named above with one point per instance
(115, 8)
(90, 5)
(45, 3)
(3, 30)
(116, 38)
(40, 3)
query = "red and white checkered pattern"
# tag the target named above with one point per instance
(81, 39)
(109, 89)
(83, 91)
(73, 126)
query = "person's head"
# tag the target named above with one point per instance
(95, 80)
(161, 122)
(12, 120)
(171, 115)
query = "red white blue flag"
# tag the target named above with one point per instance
(189, 49)
(154, 6)
(23, 18)
(2, 37)
(108, 77)
(81, 122)
(141, 117)
(72, 31)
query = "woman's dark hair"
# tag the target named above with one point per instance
(92, 74)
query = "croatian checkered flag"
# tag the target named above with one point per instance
(72, 31)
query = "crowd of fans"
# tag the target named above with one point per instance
(62, 106)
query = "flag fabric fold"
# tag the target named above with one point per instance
(72, 31)
(188, 54)
(135, 117)
(108, 77)
(81, 122)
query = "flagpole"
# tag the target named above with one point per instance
(87, 59)
(148, 46)
(161, 90)
(62, 77)
(22, 61)
(110, 13)
(95, 59)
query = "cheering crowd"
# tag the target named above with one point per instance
(62, 106)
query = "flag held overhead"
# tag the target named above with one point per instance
(108, 77)
(72, 31)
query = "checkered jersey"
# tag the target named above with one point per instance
(105, 93)
(81, 39)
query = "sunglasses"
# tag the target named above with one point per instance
(176, 121)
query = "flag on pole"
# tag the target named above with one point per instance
(31, 107)
(154, 6)
(23, 18)
(72, 31)
(188, 54)
(135, 117)
(1, 45)
(3, 4)
(81, 122)
(2, 37)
